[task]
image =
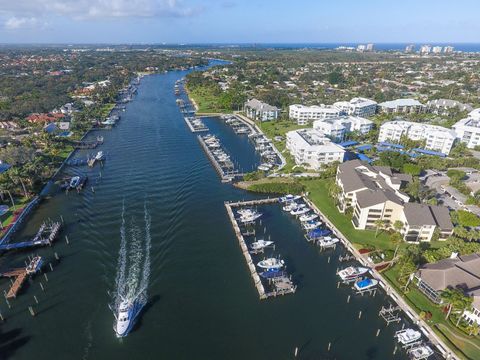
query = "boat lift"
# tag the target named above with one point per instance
(390, 314)
(46, 235)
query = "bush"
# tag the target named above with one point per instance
(278, 188)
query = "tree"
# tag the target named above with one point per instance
(456, 300)
(412, 169)
(379, 225)
(467, 219)
(398, 225)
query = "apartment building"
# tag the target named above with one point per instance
(374, 193)
(304, 115)
(311, 149)
(443, 106)
(436, 138)
(257, 110)
(468, 130)
(357, 107)
(401, 106)
(336, 128)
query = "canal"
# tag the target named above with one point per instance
(202, 303)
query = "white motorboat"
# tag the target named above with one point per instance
(312, 224)
(126, 315)
(245, 212)
(352, 272)
(271, 263)
(421, 352)
(288, 198)
(74, 182)
(290, 206)
(250, 217)
(365, 284)
(264, 167)
(408, 336)
(261, 244)
(99, 155)
(327, 241)
(300, 210)
(308, 217)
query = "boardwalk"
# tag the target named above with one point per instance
(396, 297)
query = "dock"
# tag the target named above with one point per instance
(283, 285)
(195, 125)
(21, 275)
(46, 235)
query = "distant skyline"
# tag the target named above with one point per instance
(235, 21)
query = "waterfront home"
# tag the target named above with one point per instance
(401, 106)
(436, 138)
(310, 148)
(304, 115)
(257, 110)
(457, 272)
(468, 130)
(374, 193)
(357, 107)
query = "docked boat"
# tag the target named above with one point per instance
(260, 244)
(318, 234)
(293, 206)
(264, 167)
(74, 182)
(408, 336)
(308, 217)
(271, 263)
(99, 156)
(272, 273)
(421, 352)
(365, 284)
(327, 241)
(300, 210)
(352, 272)
(126, 315)
(312, 224)
(250, 217)
(288, 198)
(34, 265)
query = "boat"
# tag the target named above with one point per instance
(327, 241)
(99, 156)
(365, 284)
(74, 182)
(250, 217)
(272, 273)
(245, 212)
(318, 233)
(288, 198)
(421, 352)
(271, 263)
(352, 272)
(264, 167)
(34, 265)
(260, 244)
(300, 210)
(308, 217)
(312, 224)
(126, 316)
(408, 336)
(290, 206)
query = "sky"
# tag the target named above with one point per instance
(239, 21)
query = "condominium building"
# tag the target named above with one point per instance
(425, 49)
(370, 47)
(437, 49)
(443, 106)
(410, 48)
(401, 106)
(336, 128)
(468, 129)
(306, 114)
(374, 193)
(436, 138)
(448, 49)
(257, 110)
(357, 107)
(311, 149)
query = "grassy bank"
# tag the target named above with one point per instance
(273, 186)
(205, 99)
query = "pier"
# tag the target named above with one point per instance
(195, 125)
(20, 275)
(282, 285)
(46, 235)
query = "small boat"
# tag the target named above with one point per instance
(264, 167)
(74, 182)
(408, 336)
(126, 315)
(260, 244)
(271, 263)
(365, 284)
(34, 265)
(288, 198)
(290, 206)
(300, 211)
(421, 352)
(308, 217)
(318, 233)
(250, 218)
(272, 273)
(327, 241)
(312, 224)
(352, 272)
(99, 155)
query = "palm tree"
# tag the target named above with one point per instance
(473, 329)
(16, 174)
(379, 224)
(456, 299)
(398, 225)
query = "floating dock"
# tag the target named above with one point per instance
(46, 235)
(282, 285)
(195, 125)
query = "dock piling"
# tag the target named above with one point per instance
(41, 285)
(30, 309)
(329, 346)
(35, 298)
(360, 314)
(46, 277)
(348, 299)
(66, 239)
(378, 332)
(51, 267)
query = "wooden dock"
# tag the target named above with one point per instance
(20, 275)
(192, 129)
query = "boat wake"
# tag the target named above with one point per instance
(133, 271)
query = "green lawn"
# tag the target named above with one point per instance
(19, 203)
(318, 193)
(105, 110)
(206, 100)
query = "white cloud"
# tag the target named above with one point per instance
(23, 11)
(14, 23)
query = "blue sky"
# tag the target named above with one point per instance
(238, 21)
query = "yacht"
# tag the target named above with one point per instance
(300, 210)
(408, 336)
(271, 263)
(318, 234)
(260, 244)
(272, 273)
(250, 217)
(99, 155)
(74, 182)
(327, 241)
(352, 272)
(421, 352)
(312, 224)
(288, 198)
(126, 315)
(308, 217)
(293, 206)
(365, 284)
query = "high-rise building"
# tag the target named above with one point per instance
(437, 49)
(448, 49)
(370, 47)
(361, 48)
(425, 49)
(410, 48)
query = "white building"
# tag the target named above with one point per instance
(310, 148)
(337, 128)
(425, 49)
(437, 49)
(357, 107)
(306, 114)
(401, 106)
(410, 48)
(370, 47)
(468, 130)
(448, 49)
(257, 110)
(436, 138)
